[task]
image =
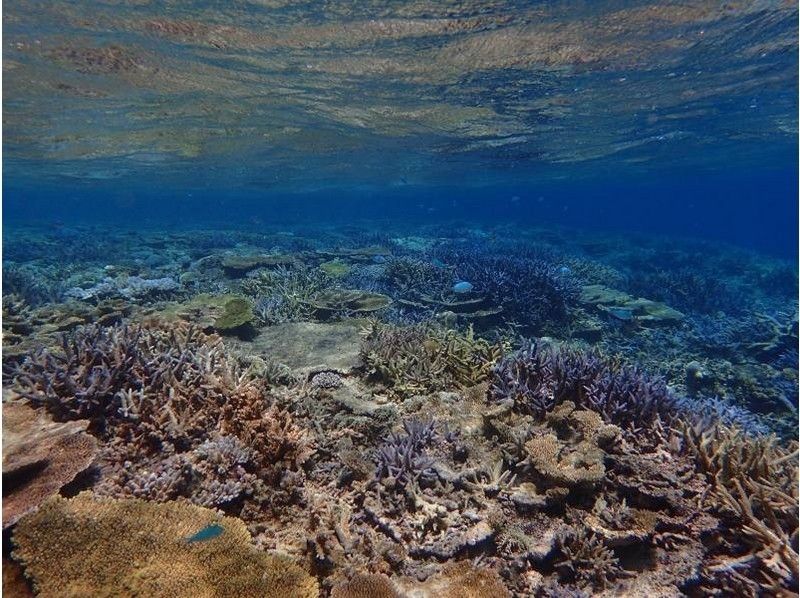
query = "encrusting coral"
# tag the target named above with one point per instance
(39, 457)
(86, 546)
(577, 458)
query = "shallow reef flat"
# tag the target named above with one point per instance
(441, 410)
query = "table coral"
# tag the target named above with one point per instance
(39, 457)
(103, 547)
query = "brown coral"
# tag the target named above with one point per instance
(462, 580)
(39, 457)
(84, 546)
(366, 585)
(574, 457)
(427, 358)
(754, 485)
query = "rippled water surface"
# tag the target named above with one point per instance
(280, 95)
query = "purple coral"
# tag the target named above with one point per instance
(402, 457)
(538, 377)
(531, 288)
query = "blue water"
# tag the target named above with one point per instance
(756, 210)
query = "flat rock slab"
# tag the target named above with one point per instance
(307, 347)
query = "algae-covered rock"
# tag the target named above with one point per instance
(224, 313)
(202, 310)
(335, 268)
(236, 317)
(312, 346)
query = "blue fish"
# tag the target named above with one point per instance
(462, 287)
(379, 259)
(209, 532)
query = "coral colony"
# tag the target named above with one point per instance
(329, 413)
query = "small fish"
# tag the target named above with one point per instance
(564, 271)
(379, 259)
(438, 263)
(209, 532)
(462, 287)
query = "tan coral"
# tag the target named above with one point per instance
(574, 457)
(755, 482)
(460, 580)
(102, 547)
(39, 457)
(366, 585)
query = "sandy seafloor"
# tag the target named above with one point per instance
(589, 415)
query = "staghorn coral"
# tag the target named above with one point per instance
(284, 294)
(157, 397)
(754, 485)
(104, 547)
(39, 457)
(539, 377)
(586, 560)
(424, 357)
(401, 460)
(532, 290)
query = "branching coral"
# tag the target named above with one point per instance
(401, 460)
(424, 357)
(103, 547)
(532, 290)
(284, 294)
(156, 393)
(586, 560)
(754, 483)
(539, 377)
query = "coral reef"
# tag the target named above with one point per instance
(754, 487)
(539, 377)
(104, 547)
(531, 289)
(412, 453)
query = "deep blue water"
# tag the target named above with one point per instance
(755, 209)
